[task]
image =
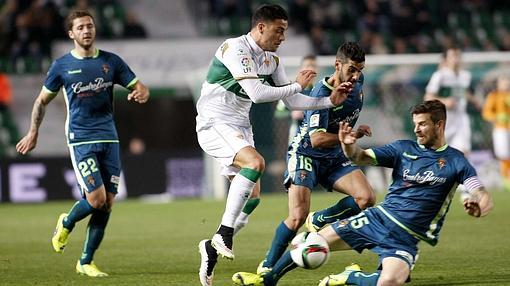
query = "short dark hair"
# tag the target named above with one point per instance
(268, 13)
(454, 47)
(75, 14)
(309, 57)
(352, 51)
(435, 108)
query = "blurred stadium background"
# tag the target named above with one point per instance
(169, 45)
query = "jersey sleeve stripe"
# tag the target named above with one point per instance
(472, 183)
(132, 83)
(316, 130)
(47, 90)
(371, 154)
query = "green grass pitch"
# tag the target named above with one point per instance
(156, 244)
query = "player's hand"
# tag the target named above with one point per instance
(340, 93)
(472, 208)
(305, 78)
(138, 96)
(27, 143)
(450, 102)
(346, 135)
(363, 130)
(478, 204)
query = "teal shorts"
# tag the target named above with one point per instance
(96, 164)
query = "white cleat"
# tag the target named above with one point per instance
(218, 242)
(207, 263)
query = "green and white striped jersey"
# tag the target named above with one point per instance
(446, 83)
(222, 100)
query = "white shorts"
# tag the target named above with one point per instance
(501, 142)
(223, 142)
(458, 131)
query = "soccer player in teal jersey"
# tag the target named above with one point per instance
(87, 76)
(315, 156)
(426, 173)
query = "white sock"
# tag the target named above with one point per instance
(238, 194)
(241, 221)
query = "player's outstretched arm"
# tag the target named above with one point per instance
(340, 93)
(348, 138)
(139, 93)
(28, 143)
(479, 203)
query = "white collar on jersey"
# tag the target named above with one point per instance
(253, 45)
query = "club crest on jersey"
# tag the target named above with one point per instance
(302, 175)
(105, 68)
(91, 180)
(343, 223)
(441, 162)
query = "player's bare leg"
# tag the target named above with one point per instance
(299, 206)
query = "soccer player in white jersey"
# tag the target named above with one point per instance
(246, 69)
(452, 86)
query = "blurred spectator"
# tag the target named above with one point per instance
(9, 135)
(452, 85)
(320, 41)
(374, 16)
(132, 27)
(299, 15)
(136, 146)
(497, 111)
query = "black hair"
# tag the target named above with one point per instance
(352, 51)
(267, 13)
(75, 15)
(435, 108)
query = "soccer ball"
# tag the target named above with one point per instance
(309, 250)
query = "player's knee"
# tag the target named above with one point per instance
(365, 200)
(257, 163)
(97, 203)
(97, 199)
(296, 219)
(391, 280)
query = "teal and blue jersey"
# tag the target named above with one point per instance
(424, 184)
(327, 120)
(88, 92)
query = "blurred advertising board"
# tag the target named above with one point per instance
(34, 180)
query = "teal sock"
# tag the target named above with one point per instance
(363, 279)
(95, 233)
(343, 209)
(79, 211)
(283, 235)
(282, 266)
